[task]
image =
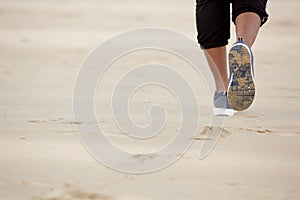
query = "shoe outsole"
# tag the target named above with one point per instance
(223, 112)
(241, 91)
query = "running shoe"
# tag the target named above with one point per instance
(221, 106)
(241, 90)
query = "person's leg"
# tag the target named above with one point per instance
(248, 16)
(247, 27)
(216, 58)
(213, 26)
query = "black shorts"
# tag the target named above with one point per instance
(213, 19)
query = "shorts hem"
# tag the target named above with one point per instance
(213, 45)
(263, 16)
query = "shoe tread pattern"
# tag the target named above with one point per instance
(241, 90)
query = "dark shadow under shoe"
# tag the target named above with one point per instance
(241, 90)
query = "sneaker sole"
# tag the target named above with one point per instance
(223, 112)
(241, 91)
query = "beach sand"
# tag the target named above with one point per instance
(43, 44)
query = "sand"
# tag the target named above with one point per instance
(43, 44)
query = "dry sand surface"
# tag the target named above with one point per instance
(43, 43)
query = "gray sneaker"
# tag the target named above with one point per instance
(221, 105)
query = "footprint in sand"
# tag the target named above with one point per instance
(57, 120)
(73, 193)
(206, 129)
(260, 130)
(143, 157)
